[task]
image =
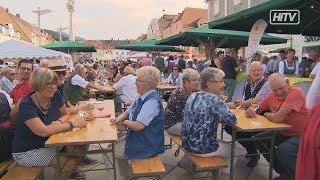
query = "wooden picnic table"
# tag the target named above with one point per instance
(161, 88)
(259, 123)
(98, 131)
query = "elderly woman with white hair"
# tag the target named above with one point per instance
(203, 111)
(44, 63)
(173, 114)
(144, 119)
(128, 86)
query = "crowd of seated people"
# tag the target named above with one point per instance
(42, 100)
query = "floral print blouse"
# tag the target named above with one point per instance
(203, 112)
(173, 113)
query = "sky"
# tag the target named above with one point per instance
(100, 19)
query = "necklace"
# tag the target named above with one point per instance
(42, 108)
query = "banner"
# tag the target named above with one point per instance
(256, 33)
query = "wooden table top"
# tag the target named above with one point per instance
(109, 89)
(99, 130)
(259, 123)
(166, 87)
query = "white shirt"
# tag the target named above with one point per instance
(265, 68)
(315, 69)
(313, 95)
(79, 81)
(281, 67)
(178, 80)
(270, 65)
(128, 86)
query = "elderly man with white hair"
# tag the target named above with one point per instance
(76, 84)
(255, 90)
(8, 81)
(284, 104)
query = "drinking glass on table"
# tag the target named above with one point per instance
(92, 96)
(223, 98)
(254, 103)
(237, 104)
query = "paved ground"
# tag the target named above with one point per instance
(175, 173)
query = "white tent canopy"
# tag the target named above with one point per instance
(16, 49)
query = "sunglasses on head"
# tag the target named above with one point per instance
(61, 73)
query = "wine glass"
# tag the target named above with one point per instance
(92, 96)
(254, 103)
(237, 104)
(223, 98)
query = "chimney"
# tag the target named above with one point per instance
(18, 15)
(7, 10)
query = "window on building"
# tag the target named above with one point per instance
(236, 2)
(216, 8)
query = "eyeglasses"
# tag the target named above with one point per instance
(51, 84)
(24, 69)
(61, 73)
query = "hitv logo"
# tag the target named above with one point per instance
(284, 17)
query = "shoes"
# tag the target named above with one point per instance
(87, 160)
(77, 174)
(253, 161)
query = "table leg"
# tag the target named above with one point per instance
(233, 141)
(58, 162)
(271, 154)
(114, 162)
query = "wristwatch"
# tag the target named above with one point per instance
(71, 125)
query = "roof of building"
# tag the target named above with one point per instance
(23, 27)
(103, 44)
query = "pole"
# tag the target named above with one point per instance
(39, 30)
(60, 29)
(39, 13)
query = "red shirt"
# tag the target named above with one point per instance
(308, 161)
(20, 91)
(295, 101)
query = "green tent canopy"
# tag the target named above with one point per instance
(148, 45)
(221, 38)
(244, 20)
(70, 46)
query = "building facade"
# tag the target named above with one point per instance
(13, 26)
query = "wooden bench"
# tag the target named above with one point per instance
(151, 167)
(23, 173)
(202, 164)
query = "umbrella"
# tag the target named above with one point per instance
(148, 45)
(221, 38)
(70, 46)
(244, 20)
(16, 49)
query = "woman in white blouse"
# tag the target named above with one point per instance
(175, 78)
(128, 86)
(289, 67)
